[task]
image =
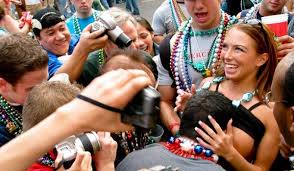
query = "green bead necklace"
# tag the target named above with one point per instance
(10, 117)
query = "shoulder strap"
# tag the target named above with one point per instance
(164, 53)
(255, 106)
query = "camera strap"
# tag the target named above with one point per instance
(99, 104)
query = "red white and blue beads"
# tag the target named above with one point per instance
(189, 149)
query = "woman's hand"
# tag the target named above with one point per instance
(183, 97)
(220, 142)
(82, 162)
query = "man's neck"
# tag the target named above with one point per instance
(84, 15)
(264, 12)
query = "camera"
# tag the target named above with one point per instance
(115, 33)
(143, 110)
(87, 142)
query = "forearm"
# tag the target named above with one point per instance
(106, 167)
(29, 146)
(168, 116)
(74, 66)
(10, 24)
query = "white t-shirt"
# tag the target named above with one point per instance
(200, 48)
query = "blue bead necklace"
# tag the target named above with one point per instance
(247, 97)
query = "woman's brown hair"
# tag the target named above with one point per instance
(264, 43)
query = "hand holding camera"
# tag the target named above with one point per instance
(115, 33)
(75, 152)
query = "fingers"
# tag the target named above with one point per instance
(230, 127)
(216, 125)
(206, 137)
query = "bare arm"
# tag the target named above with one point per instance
(167, 114)
(76, 117)
(88, 43)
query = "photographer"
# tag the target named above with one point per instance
(43, 100)
(50, 30)
(75, 117)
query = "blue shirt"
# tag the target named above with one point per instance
(83, 22)
(54, 64)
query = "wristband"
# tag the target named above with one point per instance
(171, 126)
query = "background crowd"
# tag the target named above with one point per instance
(72, 67)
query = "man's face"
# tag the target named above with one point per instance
(83, 7)
(55, 39)
(130, 30)
(18, 93)
(205, 13)
(273, 6)
(282, 113)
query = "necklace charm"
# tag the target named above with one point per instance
(10, 117)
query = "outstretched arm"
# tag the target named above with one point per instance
(76, 117)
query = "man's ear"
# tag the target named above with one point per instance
(3, 85)
(262, 59)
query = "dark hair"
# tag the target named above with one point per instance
(288, 89)
(20, 54)
(44, 99)
(144, 23)
(2, 12)
(206, 102)
(202, 104)
(47, 17)
(264, 43)
(137, 61)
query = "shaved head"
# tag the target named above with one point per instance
(283, 114)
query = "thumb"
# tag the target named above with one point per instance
(230, 127)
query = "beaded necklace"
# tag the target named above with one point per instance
(47, 160)
(179, 59)
(10, 117)
(177, 13)
(76, 24)
(78, 31)
(133, 140)
(247, 97)
(252, 13)
(189, 149)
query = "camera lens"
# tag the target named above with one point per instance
(88, 142)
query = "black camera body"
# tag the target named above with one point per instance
(143, 110)
(115, 33)
(69, 147)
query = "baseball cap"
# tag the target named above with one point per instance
(46, 18)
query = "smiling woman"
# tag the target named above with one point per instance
(248, 59)
(146, 34)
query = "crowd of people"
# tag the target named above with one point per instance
(71, 69)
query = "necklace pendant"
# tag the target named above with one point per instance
(247, 97)
(11, 127)
(199, 67)
(208, 73)
(236, 103)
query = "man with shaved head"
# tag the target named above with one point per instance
(282, 94)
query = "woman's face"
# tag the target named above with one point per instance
(145, 39)
(241, 61)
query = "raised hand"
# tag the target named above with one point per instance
(183, 97)
(219, 142)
